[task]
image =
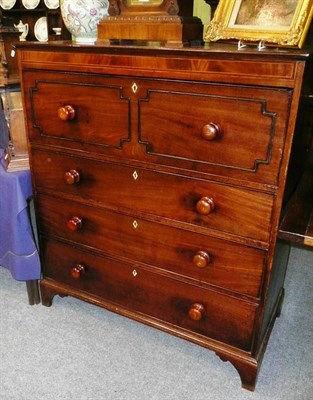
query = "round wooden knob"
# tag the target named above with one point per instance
(201, 259)
(205, 206)
(78, 271)
(74, 224)
(211, 131)
(196, 312)
(66, 113)
(71, 177)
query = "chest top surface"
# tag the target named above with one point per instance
(212, 62)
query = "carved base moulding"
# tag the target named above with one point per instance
(171, 30)
(163, 21)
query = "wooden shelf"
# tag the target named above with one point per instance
(30, 16)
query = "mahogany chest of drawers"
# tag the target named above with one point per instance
(159, 177)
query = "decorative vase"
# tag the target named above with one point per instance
(81, 18)
(23, 29)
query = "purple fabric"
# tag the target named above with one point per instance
(18, 250)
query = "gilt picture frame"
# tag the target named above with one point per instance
(279, 22)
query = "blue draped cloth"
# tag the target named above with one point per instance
(18, 250)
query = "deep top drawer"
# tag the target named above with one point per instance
(232, 130)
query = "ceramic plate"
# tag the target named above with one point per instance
(41, 29)
(7, 4)
(30, 4)
(52, 4)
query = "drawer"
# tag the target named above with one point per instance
(234, 131)
(223, 318)
(203, 259)
(231, 130)
(201, 203)
(67, 110)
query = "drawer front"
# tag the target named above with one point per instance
(201, 203)
(231, 130)
(66, 110)
(223, 318)
(203, 259)
(228, 130)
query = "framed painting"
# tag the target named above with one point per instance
(280, 22)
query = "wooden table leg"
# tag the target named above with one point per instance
(33, 292)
